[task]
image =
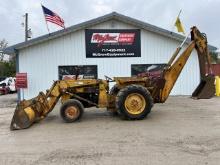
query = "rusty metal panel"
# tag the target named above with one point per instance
(216, 69)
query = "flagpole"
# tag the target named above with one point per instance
(45, 20)
(179, 13)
(47, 27)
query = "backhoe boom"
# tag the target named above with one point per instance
(206, 88)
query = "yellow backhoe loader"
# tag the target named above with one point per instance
(131, 97)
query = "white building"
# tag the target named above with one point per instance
(43, 58)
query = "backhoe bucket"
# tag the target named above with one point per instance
(205, 89)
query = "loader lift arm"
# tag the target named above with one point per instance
(29, 111)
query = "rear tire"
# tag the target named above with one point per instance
(134, 102)
(71, 111)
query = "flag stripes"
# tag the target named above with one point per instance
(52, 17)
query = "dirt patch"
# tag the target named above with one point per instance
(7, 101)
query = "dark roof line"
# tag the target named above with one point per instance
(114, 16)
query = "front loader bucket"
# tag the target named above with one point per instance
(23, 118)
(29, 111)
(206, 88)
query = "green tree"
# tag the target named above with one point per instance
(7, 68)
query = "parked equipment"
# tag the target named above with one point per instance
(131, 97)
(4, 89)
(7, 85)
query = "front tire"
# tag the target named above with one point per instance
(71, 111)
(134, 102)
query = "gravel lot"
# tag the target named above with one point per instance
(182, 131)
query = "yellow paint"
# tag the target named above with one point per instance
(80, 90)
(135, 103)
(103, 97)
(172, 73)
(63, 85)
(65, 97)
(55, 91)
(217, 85)
(30, 113)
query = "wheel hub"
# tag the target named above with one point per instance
(72, 112)
(135, 103)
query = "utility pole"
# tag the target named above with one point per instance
(26, 27)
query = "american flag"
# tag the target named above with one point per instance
(50, 16)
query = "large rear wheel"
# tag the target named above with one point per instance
(72, 110)
(134, 102)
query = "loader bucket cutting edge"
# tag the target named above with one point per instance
(22, 118)
(205, 89)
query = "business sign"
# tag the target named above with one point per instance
(21, 80)
(112, 43)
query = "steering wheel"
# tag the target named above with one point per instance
(108, 78)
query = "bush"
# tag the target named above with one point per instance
(7, 69)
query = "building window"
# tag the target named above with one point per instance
(146, 69)
(79, 71)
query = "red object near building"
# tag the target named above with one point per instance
(4, 90)
(21, 80)
(216, 69)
